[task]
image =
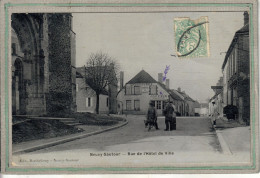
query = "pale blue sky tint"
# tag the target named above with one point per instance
(146, 41)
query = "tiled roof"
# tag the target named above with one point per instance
(171, 92)
(80, 72)
(142, 77)
(243, 30)
(178, 94)
(175, 95)
(187, 97)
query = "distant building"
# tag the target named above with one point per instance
(86, 96)
(178, 101)
(197, 108)
(204, 110)
(189, 104)
(217, 99)
(236, 77)
(136, 94)
(43, 64)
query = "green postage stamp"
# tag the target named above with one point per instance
(191, 37)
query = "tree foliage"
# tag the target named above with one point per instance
(101, 72)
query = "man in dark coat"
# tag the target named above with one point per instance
(152, 116)
(173, 123)
(170, 117)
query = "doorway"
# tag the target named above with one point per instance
(18, 105)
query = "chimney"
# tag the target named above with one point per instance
(246, 18)
(179, 89)
(160, 77)
(168, 83)
(121, 79)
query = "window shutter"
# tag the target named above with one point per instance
(156, 90)
(86, 102)
(150, 90)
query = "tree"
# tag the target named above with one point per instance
(101, 71)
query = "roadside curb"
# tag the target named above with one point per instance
(225, 148)
(223, 144)
(64, 140)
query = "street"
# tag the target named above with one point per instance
(133, 145)
(192, 134)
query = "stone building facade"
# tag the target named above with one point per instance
(236, 76)
(217, 99)
(43, 60)
(86, 96)
(179, 101)
(136, 94)
(189, 104)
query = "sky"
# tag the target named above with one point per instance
(146, 41)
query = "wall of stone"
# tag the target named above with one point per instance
(46, 53)
(60, 97)
(73, 69)
(144, 98)
(244, 77)
(83, 92)
(27, 29)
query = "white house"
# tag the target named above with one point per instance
(135, 96)
(86, 96)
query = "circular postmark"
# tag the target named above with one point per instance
(190, 40)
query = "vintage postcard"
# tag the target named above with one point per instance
(129, 86)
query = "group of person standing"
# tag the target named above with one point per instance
(170, 116)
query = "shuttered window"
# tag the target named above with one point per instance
(88, 102)
(137, 105)
(128, 105)
(153, 90)
(128, 90)
(137, 90)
